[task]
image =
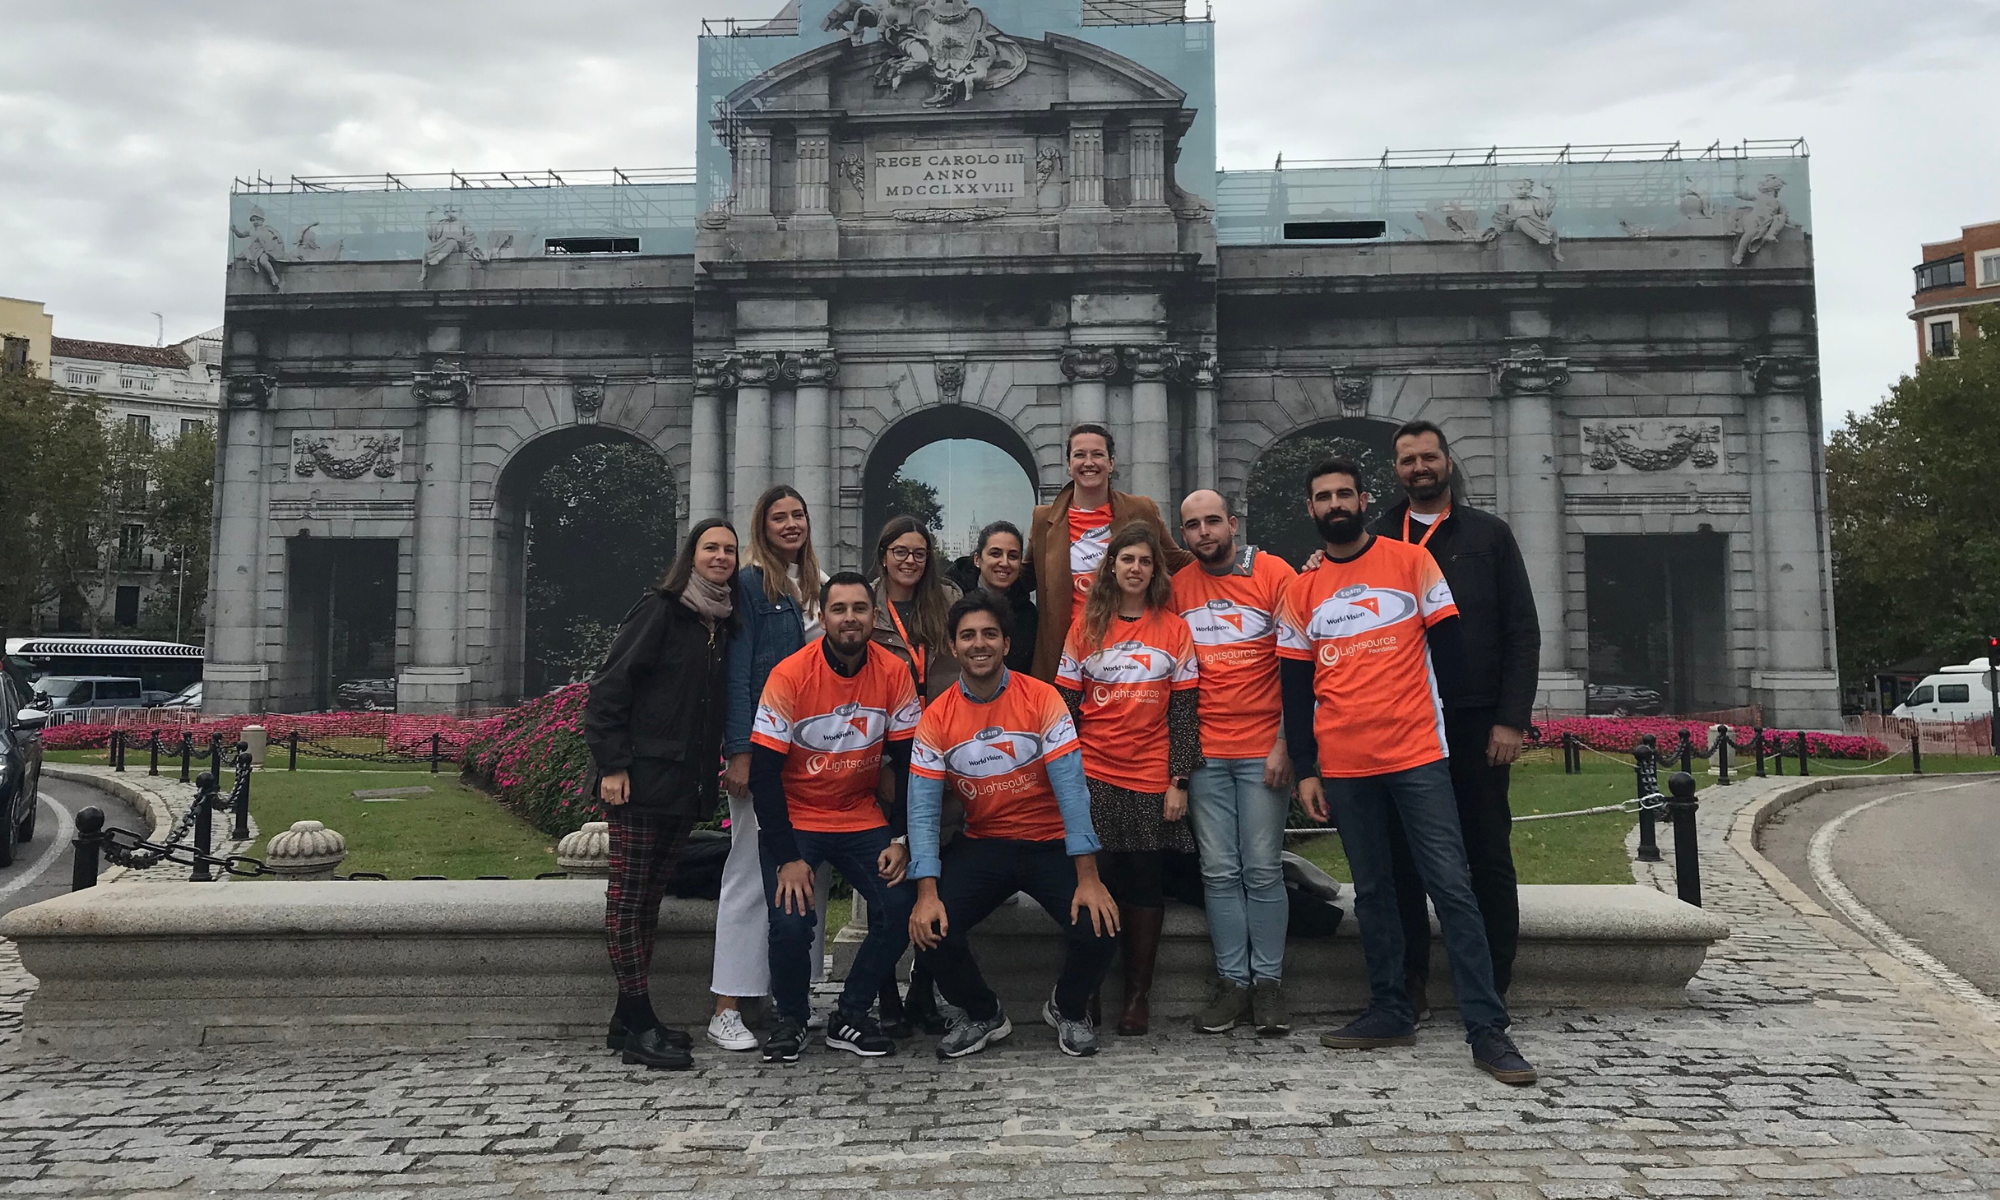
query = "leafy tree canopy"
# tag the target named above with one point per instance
(917, 499)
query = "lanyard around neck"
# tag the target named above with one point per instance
(1425, 540)
(916, 652)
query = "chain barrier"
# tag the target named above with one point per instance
(124, 848)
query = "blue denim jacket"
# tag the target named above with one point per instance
(773, 628)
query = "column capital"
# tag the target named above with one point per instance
(1781, 372)
(1153, 362)
(443, 381)
(1091, 364)
(712, 375)
(250, 390)
(754, 368)
(1202, 369)
(809, 368)
(1529, 371)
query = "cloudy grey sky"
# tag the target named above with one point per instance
(122, 123)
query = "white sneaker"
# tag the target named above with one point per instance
(726, 1030)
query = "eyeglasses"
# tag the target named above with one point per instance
(909, 554)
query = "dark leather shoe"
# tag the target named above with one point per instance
(653, 1049)
(614, 1038)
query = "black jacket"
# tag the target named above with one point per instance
(1021, 654)
(656, 706)
(1496, 609)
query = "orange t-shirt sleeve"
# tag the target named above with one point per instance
(905, 710)
(1293, 640)
(1058, 731)
(1187, 659)
(1069, 673)
(772, 727)
(928, 746)
(1434, 601)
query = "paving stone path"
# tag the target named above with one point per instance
(1799, 1071)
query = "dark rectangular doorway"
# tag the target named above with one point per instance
(340, 630)
(1658, 610)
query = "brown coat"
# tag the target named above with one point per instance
(940, 667)
(1047, 565)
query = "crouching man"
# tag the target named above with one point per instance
(1005, 744)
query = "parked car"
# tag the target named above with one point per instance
(20, 768)
(54, 693)
(187, 697)
(1621, 700)
(369, 695)
(1960, 693)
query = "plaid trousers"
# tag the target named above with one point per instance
(644, 849)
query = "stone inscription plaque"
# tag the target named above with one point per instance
(974, 175)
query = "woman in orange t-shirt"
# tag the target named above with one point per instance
(1129, 674)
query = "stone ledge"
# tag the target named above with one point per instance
(124, 967)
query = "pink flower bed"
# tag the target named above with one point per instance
(406, 736)
(534, 759)
(1618, 735)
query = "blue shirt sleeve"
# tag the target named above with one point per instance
(923, 809)
(1073, 797)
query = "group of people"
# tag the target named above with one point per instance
(1056, 716)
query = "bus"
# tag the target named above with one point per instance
(164, 668)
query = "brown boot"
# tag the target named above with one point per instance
(1141, 949)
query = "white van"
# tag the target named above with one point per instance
(1960, 693)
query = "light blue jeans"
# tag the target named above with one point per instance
(1239, 826)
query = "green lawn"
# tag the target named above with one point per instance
(136, 759)
(454, 831)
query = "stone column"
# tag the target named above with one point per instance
(752, 195)
(1528, 381)
(1794, 677)
(1148, 456)
(812, 431)
(437, 677)
(1149, 166)
(1086, 165)
(754, 369)
(1088, 369)
(1205, 469)
(814, 174)
(707, 485)
(235, 676)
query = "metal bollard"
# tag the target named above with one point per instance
(1646, 767)
(240, 795)
(1681, 806)
(204, 826)
(434, 753)
(1916, 747)
(1805, 767)
(187, 752)
(215, 754)
(89, 837)
(293, 765)
(1687, 750)
(1759, 742)
(118, 750)
(153, 753)
(1723, 746)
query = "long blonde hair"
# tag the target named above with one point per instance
(1105, 594)
(768, 559)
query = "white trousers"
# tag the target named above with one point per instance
(743, 913)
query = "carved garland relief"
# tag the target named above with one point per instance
(1653, 445)
(348, 455)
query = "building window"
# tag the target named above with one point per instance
(83, 378)
(128, 606)
(132, 490)
(131, 545)
(139, 425)
(1944, 337)
(1989, 268)
(1943, 273)
(13, 355)
(189, 425)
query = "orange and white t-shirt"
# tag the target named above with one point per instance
(996, 757)
(1362, 624)
(1125, 685)
(1089, 534)
(831, 730)
(1234, 620)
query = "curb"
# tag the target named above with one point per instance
(1750, 822)
(145, 800)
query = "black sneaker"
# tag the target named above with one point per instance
(1493, 1052)
(857, 1035)
(1370, 1030)
(786, 1040)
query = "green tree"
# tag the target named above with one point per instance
(1275, 496)
(915, 498)
(178, 521)
(601, 528)
(53, 488)
(1916, 545)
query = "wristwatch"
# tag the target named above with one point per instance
(1181, 782)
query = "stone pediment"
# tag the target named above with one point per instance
(876, 82)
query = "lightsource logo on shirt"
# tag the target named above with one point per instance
(1358, 609)
(1221, 622)
(991, 752)
(849, 727)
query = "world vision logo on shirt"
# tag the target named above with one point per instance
(1130, 662)
(1359, 609)
(1221, 622)
(993, 751)
(848, 727)
(1086, 552)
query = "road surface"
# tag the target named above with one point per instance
(42, 867)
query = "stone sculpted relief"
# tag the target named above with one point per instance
(949, 216)
(854, 169)
(1047, 163)
(1653, 445)
(586, 394)
(949, 42)
(1352, 388)
(1753, 228)
(1528, 213)
(347, 455)
(950, 380)
(449, 235)
(264, 249)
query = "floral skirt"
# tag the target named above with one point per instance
(1126, 820)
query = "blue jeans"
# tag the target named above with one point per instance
(1239, 826)
(1422, 798)
(854, 855)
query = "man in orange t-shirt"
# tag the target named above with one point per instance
(829, 716)
(1239, 797)
(1364, 638)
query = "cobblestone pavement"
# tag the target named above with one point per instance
(1800, 1071)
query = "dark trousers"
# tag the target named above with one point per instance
(977, 876)
(855, 856)
(644, 849)
(1486, 823)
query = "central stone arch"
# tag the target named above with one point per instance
(925, 427)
